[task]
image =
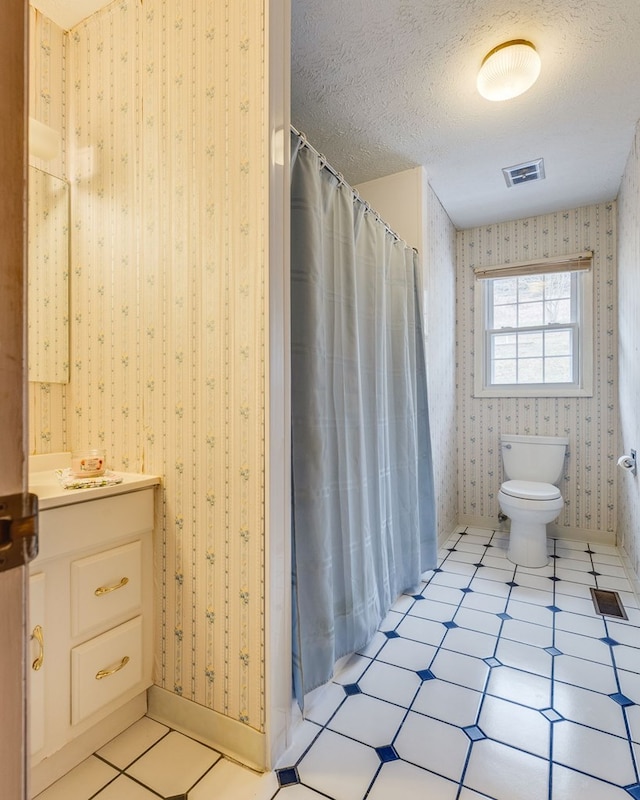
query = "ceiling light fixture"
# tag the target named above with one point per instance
(508, 70)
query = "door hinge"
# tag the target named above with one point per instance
(18, 530)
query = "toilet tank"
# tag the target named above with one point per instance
(533, 458)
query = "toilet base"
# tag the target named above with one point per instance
(528, 544)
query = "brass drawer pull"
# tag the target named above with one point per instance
(39, 637)
(106, 589)
(105, 673)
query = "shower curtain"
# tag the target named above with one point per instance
(363, 514)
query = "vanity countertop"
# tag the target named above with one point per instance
(44, 482)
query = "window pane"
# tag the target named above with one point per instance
(504, 371)
(505, 316)
(558, 369)
(530, 314)
(504, 346)
(557, 285)
(529, 344)
(530, 370)
(557, 343)
(530, 287)
(558, 311)
(504, 291)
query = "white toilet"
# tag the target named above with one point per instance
(532, 465)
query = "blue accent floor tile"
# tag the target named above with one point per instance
(553, 555)
(452, 549)
(492, 662)
(387, 753)
(553, 651)
(512, 584)
(474, 733)
(417, 597)
(450, 624)
(352, 688)
(552, 715)
(391, 634)
(554, 579)
(504, 616)
(608, 640)
(437, 569)
(478, 565)
(425, 675)
(487, 545)
(555, 609)
(621, 699)
(466, 590)
(288, 776)
(594, 573)
(633, 790)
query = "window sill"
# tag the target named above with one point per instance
(521, 391)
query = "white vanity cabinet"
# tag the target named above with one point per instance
(91, 623)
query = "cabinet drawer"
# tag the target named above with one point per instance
(106, 587)
(104, 668)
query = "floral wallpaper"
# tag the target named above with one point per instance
(48, 104)
(628, 497)
(439, 260)
(588, 487)
(167, 152)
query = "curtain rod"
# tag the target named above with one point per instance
(304, 142)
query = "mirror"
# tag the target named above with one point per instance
(48, 278)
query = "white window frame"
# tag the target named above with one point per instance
(583, 328)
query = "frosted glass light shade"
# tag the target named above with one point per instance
(508, 70)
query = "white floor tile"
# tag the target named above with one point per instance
(567, 783)
(321, 704)
(339, 767)
(123, 788)
(504, 773)
(583, 647)
(515, 725)
(435, 610)
(625, 634)
(589, 708)
(368, 720)
(524, 657)
(157, 768)
(529, 612)
(351, 670)
(489, 603)
(401, 780)
(598, 754)
(520, 687)
(132, 743)
(471, 643)
(82, 782)
(582, 624)
(453, 580)
(422, 630)
(527, 633)
(495, 588)
(588, 674)
(443, 594)
(479, 621)
(573, 589)
(448, 702)
(461, 669)
(408, 654)
(535, 596)
(229, 781)
(390, 683)
(304, 734)
(432, 744)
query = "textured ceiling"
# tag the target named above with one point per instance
(380, 86)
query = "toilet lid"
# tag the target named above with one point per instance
(531, 490)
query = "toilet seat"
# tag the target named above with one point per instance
(531, 490)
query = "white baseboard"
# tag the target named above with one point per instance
(228, 736)
(555, 531)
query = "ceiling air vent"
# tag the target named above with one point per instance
(524, 173)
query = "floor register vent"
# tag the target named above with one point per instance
(608, 603)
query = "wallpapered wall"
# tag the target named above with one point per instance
(166, 126)
(629, 349)
(48, 104)
(588, 486)
(440, 290)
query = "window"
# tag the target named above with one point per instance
(534, 321)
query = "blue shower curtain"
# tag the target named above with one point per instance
(363, 514)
